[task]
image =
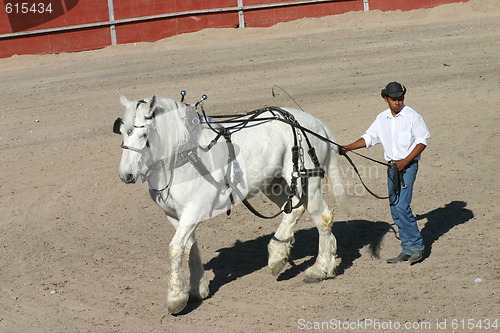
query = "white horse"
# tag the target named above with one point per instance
(192, 175)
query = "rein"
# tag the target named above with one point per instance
(242, 123)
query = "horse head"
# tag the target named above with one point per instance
(154, 131)
(135, 128)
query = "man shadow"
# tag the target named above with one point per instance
(442, 220)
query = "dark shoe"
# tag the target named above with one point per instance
(416, 256)
(402, 257)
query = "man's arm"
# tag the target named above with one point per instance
(419, 148)
(360, 143)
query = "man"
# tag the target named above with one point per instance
(403, 134)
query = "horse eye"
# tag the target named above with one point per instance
(129, 132)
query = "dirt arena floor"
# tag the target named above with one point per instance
(83, 252)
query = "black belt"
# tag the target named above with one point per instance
(410, 163)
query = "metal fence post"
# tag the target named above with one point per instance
(241, 15)
(112, 27)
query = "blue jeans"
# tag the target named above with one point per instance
(409, 234)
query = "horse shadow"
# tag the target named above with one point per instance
(442, 220)
(244, 258)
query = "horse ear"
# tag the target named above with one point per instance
(124, 100)
(153, 103)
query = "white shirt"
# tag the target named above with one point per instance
(398, 134)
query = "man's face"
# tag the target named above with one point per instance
(395, 104)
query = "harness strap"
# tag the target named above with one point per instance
(288, 205)
(231, 158)
(198, 164)
(303, 174)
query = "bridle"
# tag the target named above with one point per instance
(117, 124)
(119, 121)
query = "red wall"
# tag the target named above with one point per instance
(76, 12)
(386, 5)
(270, 16)
(64, 13)
(155, 30)
(158, 29)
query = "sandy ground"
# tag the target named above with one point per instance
(83, 252)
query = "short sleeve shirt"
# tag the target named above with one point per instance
(398, 134)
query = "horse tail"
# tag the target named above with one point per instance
(335, 180)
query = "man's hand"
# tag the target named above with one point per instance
(401, 164)
(343, 150)
(360, 143)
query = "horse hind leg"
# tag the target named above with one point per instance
(325, 264)
(280, 245)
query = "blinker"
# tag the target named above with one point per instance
(117, 125)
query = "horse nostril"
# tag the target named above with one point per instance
(129, 179)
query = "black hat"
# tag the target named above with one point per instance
(394, 90)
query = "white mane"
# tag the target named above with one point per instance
(172, 128)
(175, 128)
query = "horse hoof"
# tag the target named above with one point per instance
(277, 267)
(312, 279)
(176, 308)
(178, 304)
(200, 291)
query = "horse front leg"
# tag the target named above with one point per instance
(198, 282)
(178, 296)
